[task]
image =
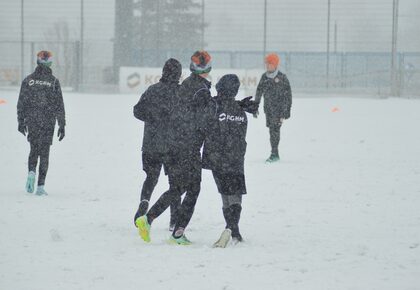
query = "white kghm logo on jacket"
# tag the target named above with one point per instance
(227, 117)
(38, 82)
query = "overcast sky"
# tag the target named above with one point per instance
(293, 25)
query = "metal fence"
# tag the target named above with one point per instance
(347, 71)
(354, 37)
(368, 72)
(93, 72)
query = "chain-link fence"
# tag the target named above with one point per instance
(306, 70)
(82, 36)
(93, 72)
(347, 71)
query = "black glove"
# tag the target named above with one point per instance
(244, 101)
(60, 133)
(23, 129)
(249, 106)
(256, 114)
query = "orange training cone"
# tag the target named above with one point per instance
(2, 101)
(335, 109)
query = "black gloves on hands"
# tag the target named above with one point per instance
(61, 133)
(244, 103)
(249, 106)
(23, 129)
(256, 114)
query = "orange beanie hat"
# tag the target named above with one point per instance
(273, 59)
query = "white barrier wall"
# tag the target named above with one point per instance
(136, 80)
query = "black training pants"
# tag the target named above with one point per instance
(274, 137)
(184, 172)
(152, 165)
(41, 150)
(185, 211)
(273, 122)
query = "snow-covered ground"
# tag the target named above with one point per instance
(340, 211)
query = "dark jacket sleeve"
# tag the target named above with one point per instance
(21, 105)
(288, 97)
(142, 110)
(260, 90)
(248, 105)
(202, 101)
(210, 115)
(60, 112)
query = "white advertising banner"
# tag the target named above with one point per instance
(136, 80)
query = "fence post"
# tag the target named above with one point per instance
(343, 69)
(401, 74)
(76, 70)
(305, 70)
(231, 59)
(394, 55)
(22, 41)
(288, 62)
(366, 70)
(32, 56)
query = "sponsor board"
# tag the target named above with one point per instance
(136, 80)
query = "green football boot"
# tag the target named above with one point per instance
(143, 227)
(182, 240)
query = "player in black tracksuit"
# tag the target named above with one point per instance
(275, 88)
(154, 108)
(39, 106)
(184, 172)
(225, 147)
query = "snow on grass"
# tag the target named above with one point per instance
(339, 211)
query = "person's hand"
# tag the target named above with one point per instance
(256, 114)
(245, 102)
(23, 129)
(61, 133)
(281, 120)
(248, 105)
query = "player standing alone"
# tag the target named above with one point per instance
(40, 104)
(275, 88)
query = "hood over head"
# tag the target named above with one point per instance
(172, 70)
(228, 86)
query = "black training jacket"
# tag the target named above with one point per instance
(225, 144)
(40, 104)
(277, 95)
(154, 108)
(189, 117)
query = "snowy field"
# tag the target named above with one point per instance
(340, 211)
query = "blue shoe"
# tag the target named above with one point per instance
(40, 190)
(273, 158)
(182, 240)
(30, 182)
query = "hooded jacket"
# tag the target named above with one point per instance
(225, 144)
(189, 117)
(40, 104)
(155, 106)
